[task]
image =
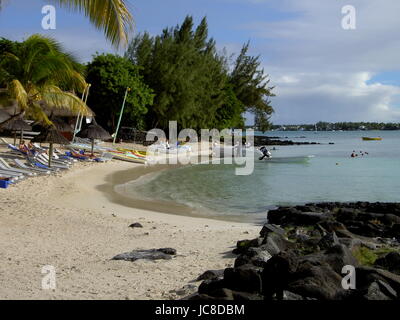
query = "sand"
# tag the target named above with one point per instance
(70, 221)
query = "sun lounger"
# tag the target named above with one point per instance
(5, 166)
(21, 165)
(105, 157)
(39, 165)
(42, 160)
(11, 174)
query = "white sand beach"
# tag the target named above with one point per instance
(68, 221)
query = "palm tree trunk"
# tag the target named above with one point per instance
(50, 154)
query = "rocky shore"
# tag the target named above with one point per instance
(318, 251)
(275, 141)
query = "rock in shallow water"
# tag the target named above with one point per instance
(152, 254)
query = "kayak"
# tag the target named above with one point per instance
(371, 139)
(288, 159)
(128, 157)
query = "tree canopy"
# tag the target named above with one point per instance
(37, 73)
(110, 76)
(194, 84)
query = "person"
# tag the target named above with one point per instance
(265, 152)
(24, 148)
(353, 155)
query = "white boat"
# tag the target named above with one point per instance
(294, 159)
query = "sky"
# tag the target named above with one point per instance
(320, 71)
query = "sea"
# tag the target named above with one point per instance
(331, 175)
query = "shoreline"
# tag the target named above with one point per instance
(67, 221)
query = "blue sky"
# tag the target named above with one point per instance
(321, 72)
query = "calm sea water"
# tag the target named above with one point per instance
(330, 176)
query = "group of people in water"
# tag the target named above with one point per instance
(354, 154)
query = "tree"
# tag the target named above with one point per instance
(38, 73)
(192, 81)
(251, 87)
(110, 76)
(112, 16)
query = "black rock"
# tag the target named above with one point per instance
(243, 279)
(374, 293)
(319, 282)
(243, 245)
(212, 287)
(328, 241)
(211, 275)
(136, 225)
(277, 273)
(271, 228)
(169, 251)
(390, 262)
(152, 254)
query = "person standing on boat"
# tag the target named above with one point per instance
(265, 152)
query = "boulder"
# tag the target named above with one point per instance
(212, 287)
(271, 228)
(152, 254)
(339, 256)
(211, 275)
(277, 273)
(243, 245)
(390, 262)
(243, 279)
(328, 241)
(319, 282)
(374, 293)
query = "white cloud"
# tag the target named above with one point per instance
(322, 71)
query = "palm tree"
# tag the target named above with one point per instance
(112, 16)
(39, 75)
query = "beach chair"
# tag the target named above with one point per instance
(39, 165)
(10, 174)
(22, 165)
(5, 166)
(105, 157)
(45, 161)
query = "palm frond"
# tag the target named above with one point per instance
(54, 97)
(113, 16)
(17, 91)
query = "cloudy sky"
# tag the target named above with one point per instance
(321, 71)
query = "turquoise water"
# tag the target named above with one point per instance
(330, 176)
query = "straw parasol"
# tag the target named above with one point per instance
(4, 115)
(17, 125)
(61, 125)
(94, 132)
(52, 136)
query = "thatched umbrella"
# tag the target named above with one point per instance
(51, 136)
(17, 125)
(4, 115)
(61, 125)
(94, 131)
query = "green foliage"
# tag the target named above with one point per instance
(192, 81)
(38, 72)
(110, 76)
(251, 86)
(365, 256)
